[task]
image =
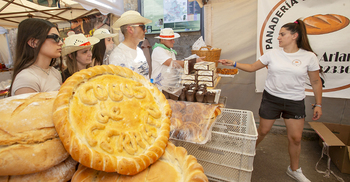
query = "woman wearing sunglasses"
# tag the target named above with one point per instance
(77, 52)
(38, 46)
(102, 50)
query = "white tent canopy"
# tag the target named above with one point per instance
(12, 12)
(115, 7)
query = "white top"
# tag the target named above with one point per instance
(135, 60)
(287, 72)
(36, 79)
(159, 56)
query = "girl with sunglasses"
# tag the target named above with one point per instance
(38, 46)
(77, 52)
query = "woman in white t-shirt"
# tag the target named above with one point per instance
(38, 46)
(288, 68)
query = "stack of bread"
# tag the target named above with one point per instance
(202, 73)
(192, 121)
(109, 119)
(30, 149)
(196, 78)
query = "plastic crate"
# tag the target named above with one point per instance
(229, 154)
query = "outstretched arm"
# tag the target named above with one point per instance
(245, 67)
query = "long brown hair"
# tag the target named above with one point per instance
(299, 27)
(72, 63)
(25, 55)
(98, 52)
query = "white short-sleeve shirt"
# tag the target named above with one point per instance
(159, 56)
(133, 59)
(287, 72)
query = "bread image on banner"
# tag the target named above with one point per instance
(323, 24)
(29, 142)
(112, 119)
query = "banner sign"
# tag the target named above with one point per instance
(329, 38)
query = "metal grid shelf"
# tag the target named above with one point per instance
(229, 154)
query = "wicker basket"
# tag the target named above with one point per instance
(212, 55)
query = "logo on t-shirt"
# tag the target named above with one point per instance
(296, 62)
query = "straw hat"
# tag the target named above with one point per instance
(167, 34)
(103, 33)
(131, 17)
(75, 42)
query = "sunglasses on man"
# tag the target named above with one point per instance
(142, 26)
(55, 37)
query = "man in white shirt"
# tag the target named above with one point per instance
(164, 55)
(127, 54)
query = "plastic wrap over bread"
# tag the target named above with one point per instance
(192, 121)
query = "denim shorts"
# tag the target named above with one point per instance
(272, 107)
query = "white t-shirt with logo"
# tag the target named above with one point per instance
(287, 72)
(159, 56)
(135, 60)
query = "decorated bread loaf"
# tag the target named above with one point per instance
(112, 119)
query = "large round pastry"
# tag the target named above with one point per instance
(112, 119)
(174, 166)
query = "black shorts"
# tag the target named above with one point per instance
(272, 107)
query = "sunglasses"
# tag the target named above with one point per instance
(142, 26)
(55, 37)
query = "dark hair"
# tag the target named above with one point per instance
(25, 55)
(299, 27)
(98, 52)
(72, 63)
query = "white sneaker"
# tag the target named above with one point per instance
(297, 175)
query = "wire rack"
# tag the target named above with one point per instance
(229, 154)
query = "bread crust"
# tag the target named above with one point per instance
(322, 24)
(28, 140)
(60, 173)
(174, 166)
(117, 144)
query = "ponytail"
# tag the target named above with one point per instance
(299, 27)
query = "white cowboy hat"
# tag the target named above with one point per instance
(75, 42)
(103, 33)
(131, 17)
(167, 34)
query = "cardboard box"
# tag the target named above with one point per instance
(337, 137)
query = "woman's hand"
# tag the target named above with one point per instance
(226, 62)
(317, 113)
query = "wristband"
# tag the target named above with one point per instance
(234, 65)
(316, 105)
